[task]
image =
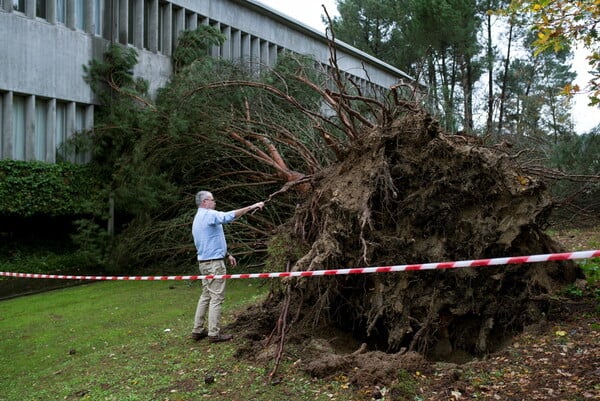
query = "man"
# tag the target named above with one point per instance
(209, 239)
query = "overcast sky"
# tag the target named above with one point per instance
(309, 12)
(306, 11)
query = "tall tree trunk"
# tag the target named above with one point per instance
(467, 83)
(505, 77)
(434, 94)
(490, 70)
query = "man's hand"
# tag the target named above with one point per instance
(232, 260)
(249, 209)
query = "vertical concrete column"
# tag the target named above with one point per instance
(71, 14)
(30, 8)
(215, 51)
(178, 25)
(1, 113)
(51, 11)
(29, 151)
(246, 46)
(167, 31)
(236, 44)
(264, 53)
(272, 54)
(255, 54)
(88, 12)
(51, 132)
(89, 125)
(107, 18)
(71, 126)
(152, 25)
(7, 126)
(193, 22)
(226, 52)
(123, 20)
(138, 24)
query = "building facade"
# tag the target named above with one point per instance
(44, 98)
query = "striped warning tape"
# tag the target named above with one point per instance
(359, 270)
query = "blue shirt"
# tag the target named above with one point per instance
(207, 230)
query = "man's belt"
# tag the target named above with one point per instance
(210, 260)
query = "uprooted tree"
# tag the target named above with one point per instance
(402, 192)
(385, 186)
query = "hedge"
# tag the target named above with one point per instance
(39, 188)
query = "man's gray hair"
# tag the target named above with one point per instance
(200, 196)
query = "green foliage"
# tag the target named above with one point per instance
(280, 253)
(578, 155)
(33, 261)
(368, 25)
(124, 111)
(560, 25)
(195, 45)
(291, 65)
(125, 117)
(37, 188)
(405, 388)
(114, 72)
(534, 107)
(92, 241)
(202, 132)
(591, 268)
(433, 40)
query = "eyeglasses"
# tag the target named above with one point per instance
(210, 200)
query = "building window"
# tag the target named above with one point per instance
(163, 12)
(98, 17)
(175, 28)
(61, 11)
(190, 21)
(147, 6)
(79, 118)
(41, 124)
(40, 9)
(131, 18)
(19, 5)
(2, 125)
(80, 19)
(60, 132)
(18, 134)
(160, 27)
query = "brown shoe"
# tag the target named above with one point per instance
(220, 338)
(199, 336)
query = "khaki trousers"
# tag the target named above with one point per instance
(211, 299)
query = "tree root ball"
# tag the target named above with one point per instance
(409, 193)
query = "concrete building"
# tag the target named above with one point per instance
(44, 98)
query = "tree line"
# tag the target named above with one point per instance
(496, 69)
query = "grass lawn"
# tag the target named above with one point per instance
(129, 341)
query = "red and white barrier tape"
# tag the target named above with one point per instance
(359, 270)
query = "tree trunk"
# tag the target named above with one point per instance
(505, 79)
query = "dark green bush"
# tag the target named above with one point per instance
(36, 188)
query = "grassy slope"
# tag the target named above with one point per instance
(129, 341)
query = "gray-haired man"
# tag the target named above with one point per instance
(209, 239)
